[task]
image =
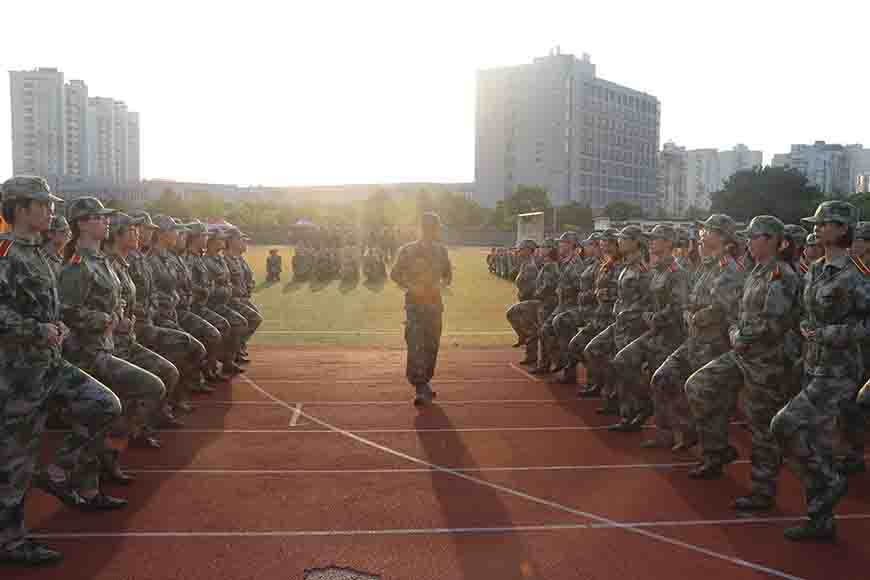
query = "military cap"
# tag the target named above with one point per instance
(28, 187)
(765, 225)
(608, 235)
(632, 233)
(198, 228)
(122, 220)
(570, 237)
(217, 233)
(591, 239)
(234, 233)
(836, 210)
(527, 245)
(146, 218)
(862, 231)
(724, 224)
(167, 224)
(58, 224)
(796, 234)
(663, 232)
(430, 218)
(549, 244)
(86, 206)
(812, 240)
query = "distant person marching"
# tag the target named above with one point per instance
(422, 268)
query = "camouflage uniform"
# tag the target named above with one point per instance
(569, 322)
(219, 297)
(58, 224)
(93, 308)
(633, 299)
(273, 268)
(757, 360)
(567, 291)
(669, 291)
(420, 269)
(836, 307)
(545, 302)
(35, 377)
(241, 299)
(523, 318)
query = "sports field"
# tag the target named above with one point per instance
(314, 465)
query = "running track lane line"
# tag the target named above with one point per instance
(525, 373)
(541, 501)
(427, 531)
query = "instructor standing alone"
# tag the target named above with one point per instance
(422, 268)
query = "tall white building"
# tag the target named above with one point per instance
(834, 169)
(709, 169)
(38, 123)
(673, 180)
(62, 134)
(555, 124)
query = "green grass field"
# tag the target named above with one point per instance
(311, 315)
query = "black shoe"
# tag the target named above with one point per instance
(753, 502)
(657, 443)
(144, 442)
(231, 369)
(202, 388)
(29, 553)
(823, 530)
(540, 370)
(117, 476)
(61, 491)
(102, 502)
(713, 467)
(529, 361)
(171, 422)
(642, 417)
(831, 496)
(624, 426)
(589, 392)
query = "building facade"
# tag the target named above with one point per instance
(673, 180)
(834, 169)
(72, 139)
(708, 169)
(554, 124)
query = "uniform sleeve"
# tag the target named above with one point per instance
(856, 327)
(15, 328)
(726, 292)
(74, 290)
(199, 279)
(164, 284)
(671, 315)
(770, 324)
(635, 295)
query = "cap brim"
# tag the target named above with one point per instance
(811, 220)
(55, 199)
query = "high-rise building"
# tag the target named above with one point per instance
(76, 129)
(38, 123)
(62, 134)
(673, 180)
(709, 169)
(554, 124)
(826, 165)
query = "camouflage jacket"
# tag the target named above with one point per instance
(28, 300)
(185, 281)
(713, 303)
(200, 281)
(145, 308)
(633, 293)
(124, 333)
(250, 280)
(766, 309)
(546, 284)
(606, 290)
(165, 274)
(569, 281)
(527, 276)
(420, 269)
(237, 276)
(836, 304)
(90, 292)
(273, 264)
(54, 259)
(669, 287)
(219, 276)
(586, 296)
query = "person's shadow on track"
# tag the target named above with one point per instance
(294, 285)
(467, 504)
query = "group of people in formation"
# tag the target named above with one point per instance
(109, 321)
(771, 315)
(345, 263)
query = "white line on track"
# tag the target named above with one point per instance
(210, 403)
(525, 373)
(382, 332)
(297, 411)
(629, 526)
(391, 381)
(375, 431)
(541, 501)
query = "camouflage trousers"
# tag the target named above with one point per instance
(205, 332)
(523, 318)
(238, 330)
(423, 337)
(155, 364)
(27, 393)
(180, 348)
(633, 364)
(559, 329)
(222, 325)
(806, 427)
(599, 355)
(713, 391)
(252, 316)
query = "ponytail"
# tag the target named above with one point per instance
(70, 248)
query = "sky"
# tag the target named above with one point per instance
(327, 92)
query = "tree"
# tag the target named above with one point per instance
(526, 199)
(205, 204)
(862, 202)
(623, 210)
(783, 192)
(578, 216)
(169, 203)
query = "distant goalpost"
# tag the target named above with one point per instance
(530, 226)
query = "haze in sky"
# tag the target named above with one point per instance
(329, 92)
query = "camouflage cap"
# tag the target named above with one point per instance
(122, 220)
(234, 233)
(632, 233)
(528, 245)
(592, 239)
(836, 210)
(167, 224)
(217, 233)
(862, 231)
(549, 244)
(82, 207)
(608, 235)
(58, 224)
(796, 234)
(570, 237)
(767, 225)
(198, 228)
(719, 222)
(28, 187)
(146, 218)
(663, 232)
(812, 240)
